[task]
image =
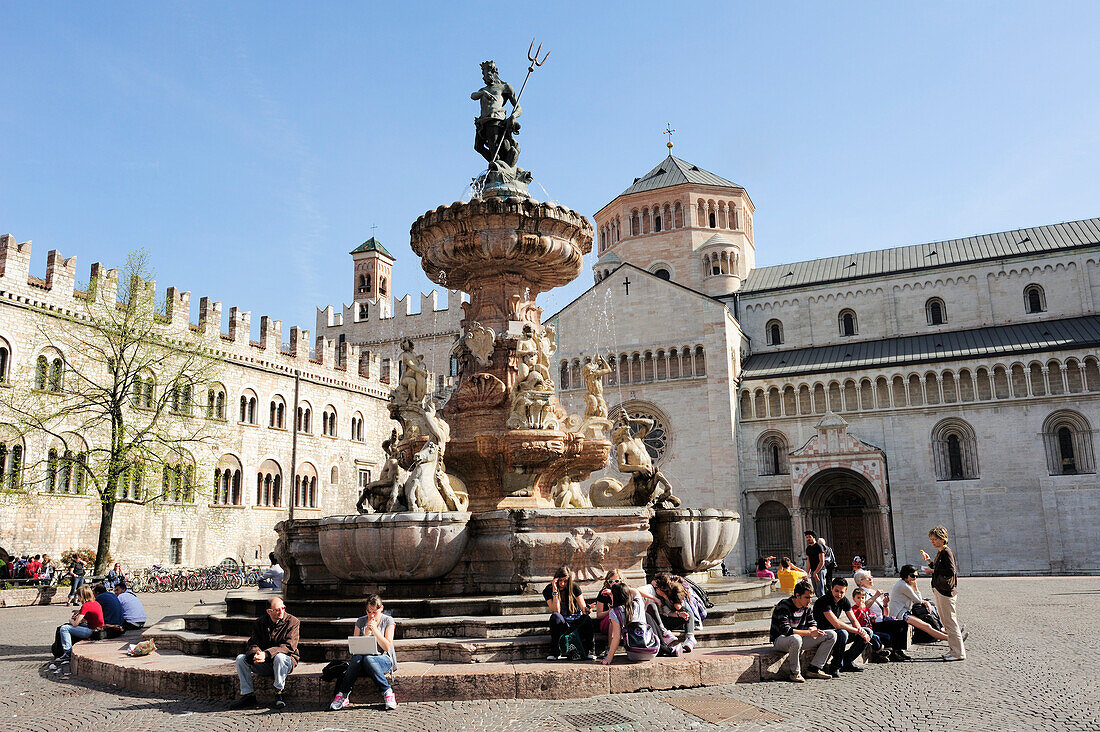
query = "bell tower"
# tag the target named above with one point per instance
(373, 275)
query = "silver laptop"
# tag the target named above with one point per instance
(362, 645)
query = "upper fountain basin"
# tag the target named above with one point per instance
(542, 242)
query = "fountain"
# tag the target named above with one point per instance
(482, 495)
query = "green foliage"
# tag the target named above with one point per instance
(6, 586)
(86, 553)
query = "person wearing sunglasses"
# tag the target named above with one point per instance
(906, 603)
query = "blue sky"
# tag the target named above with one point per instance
(251, 146)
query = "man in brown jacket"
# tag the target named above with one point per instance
(272, 651)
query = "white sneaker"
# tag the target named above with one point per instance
(951, 657)
(339, 702)
(389, 699)
(551, 657)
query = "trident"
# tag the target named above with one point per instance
(533, 57)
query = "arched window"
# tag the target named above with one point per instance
(303, 421)
(772, 451)
(774, 332)
(247, 411)
(131, 483)
(847, 322)
(357, 427)
(365, 283)
(178, 480)
(1035, 300)
(713, 220)
(41, 372)
(11, 462)
(1067, 437)
(657, 223)
(382, 286)
(276, 417)
(269, 484)
(305, 486)
(227, 481)
(955, 450)
(328, 421)
(663, 273)
(935, 311)
(5, 359)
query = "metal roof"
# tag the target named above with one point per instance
(372, 245)
(1019, 242)
(1019, 338)
(673, 172)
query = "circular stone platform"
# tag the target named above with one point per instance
(180, 674)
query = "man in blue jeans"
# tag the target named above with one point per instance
(815, 563)
(835, 611)
(272, 651)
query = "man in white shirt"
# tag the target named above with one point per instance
(272, 579)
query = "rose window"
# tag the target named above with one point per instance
(656, 439)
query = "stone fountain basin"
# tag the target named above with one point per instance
(695, 539)
(387, 547)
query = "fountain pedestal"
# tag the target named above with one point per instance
(509, 439)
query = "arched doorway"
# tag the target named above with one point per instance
(773, 531)
(841, 506)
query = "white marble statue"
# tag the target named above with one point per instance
(646, 486)
(594, 403)
(383, 495)
(413, 385)
(568, 493)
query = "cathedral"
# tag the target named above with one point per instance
(868, 397)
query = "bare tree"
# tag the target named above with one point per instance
(114, 398)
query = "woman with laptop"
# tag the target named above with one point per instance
(372, 653)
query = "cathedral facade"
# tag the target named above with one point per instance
(868, 397)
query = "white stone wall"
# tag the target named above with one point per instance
(34, 522)
(1013, 518)
(658, 316)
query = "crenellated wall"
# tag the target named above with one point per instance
(341, 382)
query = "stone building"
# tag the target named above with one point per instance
(868, 396)
(242, 486)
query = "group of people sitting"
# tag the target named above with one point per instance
(838, 630)
(641, 620)
(103, 613)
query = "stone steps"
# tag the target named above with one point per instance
(493, 626)
(463, 649)
(252, 602)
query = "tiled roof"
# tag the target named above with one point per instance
(1020, 242)
(674, 171)
(372, 245)
(998, 340)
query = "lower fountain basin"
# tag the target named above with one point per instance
(385, 547)
(695, 539)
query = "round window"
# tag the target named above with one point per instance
(656, 437)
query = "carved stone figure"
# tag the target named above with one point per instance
(568, 493)
(382, 495)
(594, 403)
(527, 350)
(530, 407)
(413, 386)
(480, 341)
(494, 138)
(546, 345)
(646, 486)
(586, 551)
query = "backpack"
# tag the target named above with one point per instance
(830, 558)
(570, 646)
(640, 641)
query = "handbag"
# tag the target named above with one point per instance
(334, 670)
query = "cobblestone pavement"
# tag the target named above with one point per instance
(1030, 667)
